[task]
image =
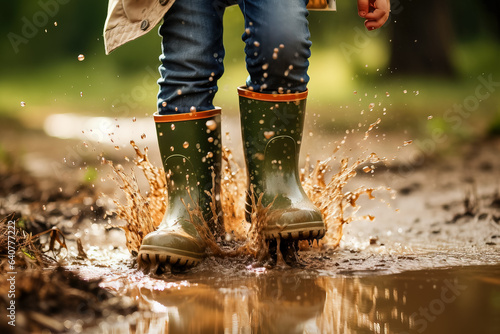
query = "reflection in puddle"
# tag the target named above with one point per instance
(456, 300)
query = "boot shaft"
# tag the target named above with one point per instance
(271, 122)
(190, 147)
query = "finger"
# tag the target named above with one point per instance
(376, 15)
(363, 6)
(375, 24)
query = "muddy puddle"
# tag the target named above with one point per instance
(453, 300)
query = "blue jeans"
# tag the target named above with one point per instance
(277, 48)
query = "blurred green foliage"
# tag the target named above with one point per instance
(44, 72)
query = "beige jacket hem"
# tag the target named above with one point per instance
(131, 19)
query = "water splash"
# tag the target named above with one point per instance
(143, 212)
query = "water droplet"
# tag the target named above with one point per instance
(117, 147)
(355, 92)
(259, 156)
(192, 109)
(367, 169)
(179, 92)
(275, 55)
(23, 104)
(210, 139)
(371, 105)
(211, 125)
(85, 144)
(269, 134)
(143, 136)
(81, 57)
(405, 91)
(407, 142)
(210, 154)
(430, 117)
(185, 145)
(134, 119)
(387, 94)
(247, 31)
(265, 66)
(261, 121)
(55, 24)
(161, 134)
(81, 94)
(310, 133)
(171, 148)
(257, 44)
(164, 104)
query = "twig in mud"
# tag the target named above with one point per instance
(55, 235)
(471, 201)
(81, 251)
(29, 248)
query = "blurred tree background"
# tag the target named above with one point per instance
(427, 58)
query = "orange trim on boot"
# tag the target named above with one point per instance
(273, 97)
(186, 116)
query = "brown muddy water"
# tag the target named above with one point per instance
(453, 300)
(425, 261)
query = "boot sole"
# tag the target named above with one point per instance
(153, 256)
(305, 231)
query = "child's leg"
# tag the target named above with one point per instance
(192, 56)
(277, 44)
(277, 48)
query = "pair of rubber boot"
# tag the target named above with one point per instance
(190, 147)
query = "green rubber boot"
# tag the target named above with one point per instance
(272, 126)
(190, 147)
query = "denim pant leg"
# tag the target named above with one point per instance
(192, 56)
(277, 45)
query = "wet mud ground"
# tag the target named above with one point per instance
(428, 263)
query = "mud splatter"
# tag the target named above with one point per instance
(143, 213)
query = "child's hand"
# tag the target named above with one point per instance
(376, 12)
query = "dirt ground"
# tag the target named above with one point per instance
(429, 261)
